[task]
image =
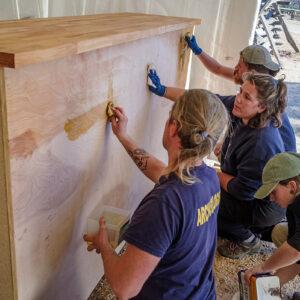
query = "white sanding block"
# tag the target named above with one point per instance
(153, 68)
(190, 35)
(262, 287)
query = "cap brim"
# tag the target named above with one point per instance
(265, 190)
(272, 66)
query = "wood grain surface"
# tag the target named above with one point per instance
(25, 42)
(65, 160)
(8, 276)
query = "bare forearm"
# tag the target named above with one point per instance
(127, 273)
(110, 262)
(173, 93)
(147, 163)
(114, 273)
(284, 256)
(215, 67)
(224, 178)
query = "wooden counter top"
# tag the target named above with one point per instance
(25, 42)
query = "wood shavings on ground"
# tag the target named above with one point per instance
(226, 269)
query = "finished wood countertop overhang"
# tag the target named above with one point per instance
(31, 41)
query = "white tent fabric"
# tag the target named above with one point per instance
(227, 25)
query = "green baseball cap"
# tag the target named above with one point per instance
(259, 55)
(280, 167)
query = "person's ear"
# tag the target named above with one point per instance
(293, 186)
(173, 128)
(261, 108)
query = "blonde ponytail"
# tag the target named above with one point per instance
(201, 119)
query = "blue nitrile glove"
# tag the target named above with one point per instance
(157, 88)
(193, 44)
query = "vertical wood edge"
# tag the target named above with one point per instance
(8, 278)
(182, 73)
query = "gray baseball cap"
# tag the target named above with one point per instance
(259, 55)
(280, 167)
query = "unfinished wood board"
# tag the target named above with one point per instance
(25, 42)
(8, 284)
(65, 160)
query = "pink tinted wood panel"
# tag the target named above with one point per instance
(65, 159)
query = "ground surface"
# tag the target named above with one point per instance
(226, 269)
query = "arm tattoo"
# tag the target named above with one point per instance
(140, 157)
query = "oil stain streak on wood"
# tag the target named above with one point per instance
(23, 145)
(183, 49)
(184, 55)
(81, 124)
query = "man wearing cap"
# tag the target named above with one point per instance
(281, 180)
(253, 58)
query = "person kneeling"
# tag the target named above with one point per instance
(281, 180)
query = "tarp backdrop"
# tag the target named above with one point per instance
(227, 25)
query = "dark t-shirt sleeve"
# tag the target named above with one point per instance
(228, 101)
(294, 240)
(287, 134)
(153, 226)
(248, 152)
(250, 159)
(294, 237)
(245, 185)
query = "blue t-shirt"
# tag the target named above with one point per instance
(178, 223)
(245, 152)
(286, 130)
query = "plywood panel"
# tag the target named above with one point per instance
(31, 41)
(8, 289)
(65, 159)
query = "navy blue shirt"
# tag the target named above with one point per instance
(245, 152)
(178, 223)
(286, 130)
(287, 134)
(293, 217)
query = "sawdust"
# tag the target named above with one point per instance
(226, 269)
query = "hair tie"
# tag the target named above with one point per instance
(204, 134)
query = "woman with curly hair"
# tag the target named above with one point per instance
(256, 114)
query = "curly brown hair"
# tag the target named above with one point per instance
(272, 94)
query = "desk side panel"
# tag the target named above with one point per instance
(65, 160)
(8, 288)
